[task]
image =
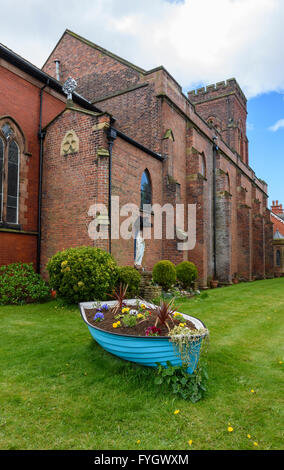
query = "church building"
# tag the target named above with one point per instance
(129, 135)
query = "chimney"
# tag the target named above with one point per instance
(276, 208)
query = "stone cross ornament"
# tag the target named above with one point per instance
(69, 87)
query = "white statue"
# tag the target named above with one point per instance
(140, 248)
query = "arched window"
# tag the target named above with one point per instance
(1, 177)
(278, 258)
(12, 183)
(145, 189)
(9, 174)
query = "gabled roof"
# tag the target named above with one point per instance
(10, 56)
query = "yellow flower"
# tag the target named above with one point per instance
(252, 390)
(182, 324)
(280, 362)
(249, 436)
(140, 315)
(114, 325)
(80, 284)
(138, 442)
(255, 444)
(190, 442)
(230, 429)
(176, 412)
(64, 263)
(143, 306)
(125, 310)
(118, 323)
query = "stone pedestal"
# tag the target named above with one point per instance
(147, 290)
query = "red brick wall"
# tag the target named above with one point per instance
(154, 105)
(19, 99)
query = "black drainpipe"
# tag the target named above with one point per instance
(111, 135)
(41, 136)
(215, 149)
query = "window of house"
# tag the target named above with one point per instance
(145, 189)
(9, 176)
(278, 258)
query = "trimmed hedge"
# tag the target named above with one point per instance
(186, 273)
(164, 274)
(131, 277)
(20, 284)
(82, 274)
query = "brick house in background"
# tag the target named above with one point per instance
(277, 218)
(134, 126)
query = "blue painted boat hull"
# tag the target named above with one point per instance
(147, 351)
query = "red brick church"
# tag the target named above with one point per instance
(122, 130)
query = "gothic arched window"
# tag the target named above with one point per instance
(12, 183)
(9, 175)
(1, 176)
(145, 189)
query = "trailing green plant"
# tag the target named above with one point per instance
(186, 274)
(188, 386)
(188, 343)
(128, 275)
(19, 284)
(164, 274)
(82, 274)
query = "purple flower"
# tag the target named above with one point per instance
(99, 316)
(104, 307)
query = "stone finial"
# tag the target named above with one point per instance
(69, 86)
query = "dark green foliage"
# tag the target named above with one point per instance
(186, 273)
(188, 386)
(82, 274)
(164, 274)
(20, 284)
(131, 277)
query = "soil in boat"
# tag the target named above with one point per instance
(110, 317)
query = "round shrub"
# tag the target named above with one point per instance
(82, 274)
(131, 277)
(19, 284)
(164, 274)
(186, 273)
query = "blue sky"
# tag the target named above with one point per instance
(199, 42)
(266, 146)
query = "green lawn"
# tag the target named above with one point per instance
(59, 390)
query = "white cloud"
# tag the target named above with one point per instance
(198, 41)
(278, 125)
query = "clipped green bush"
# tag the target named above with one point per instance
(82, 274)
(131, 277)
(164, 274)
(20, 284)
(186, 274)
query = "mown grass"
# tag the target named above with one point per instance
(60, 390)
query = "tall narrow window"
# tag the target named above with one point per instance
(12, 183)
(1, 177)
(146, 189)
(278, 258)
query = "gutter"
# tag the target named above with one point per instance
(41, 136)
(111, 136)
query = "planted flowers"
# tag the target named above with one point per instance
(138, 318)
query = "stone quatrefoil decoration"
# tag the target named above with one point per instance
(70, 143)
